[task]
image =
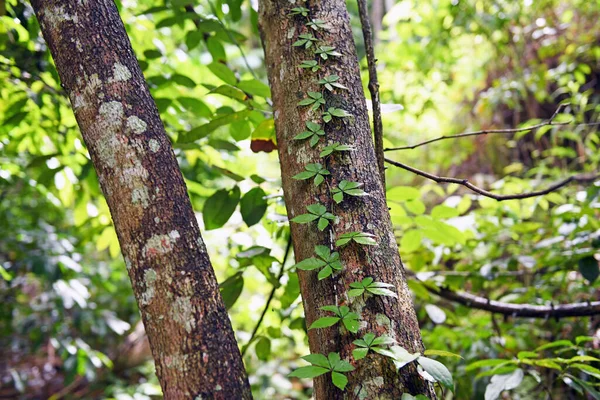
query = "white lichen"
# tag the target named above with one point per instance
(120, 73)
(140, 195)
(160, 244)
(183, 313)
(154, 145)
(149, 281)
(136, 125)
(57, 15)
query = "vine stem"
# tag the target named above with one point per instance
(373, 88)
(270, 298)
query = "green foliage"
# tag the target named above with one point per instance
(314, 99)
(335, 147)
(348, 188)
(363, 238)
(370, 342)
(219, 207)
(299, 11)
(305, 40)
(317, 24)
(330, 82)
(314, 132)
(315, 170)
(367, 285)
(342, 313)
(335, 112)
(327, 51)
(310, 64)
(327, 262)
(315, 212)
(321, 365)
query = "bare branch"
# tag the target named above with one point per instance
(548, 122)
(519, 310)
(582, 178)
(373, 87)
(513, 310)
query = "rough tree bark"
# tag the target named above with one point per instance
(375, 377)
(189, 330)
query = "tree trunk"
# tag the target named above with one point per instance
(189, 330)
(375, 376)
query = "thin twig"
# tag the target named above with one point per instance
(269, 299)
(232, 38)
(583, 178)
(373, 87)
(549, 122)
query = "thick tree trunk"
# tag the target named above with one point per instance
(189, 330)
(375, 376)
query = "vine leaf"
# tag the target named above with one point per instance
(305, 40)
(327, 51)
(342, 313)
(313, 65)
(367, 285)
(334, 112)
(314, 170)
(358, 237)
(314, 99)
(315, 212)
(330, 82)
(370, 342)
(314, 132)
(321, 365)
(300, 11)
(349, 188)
(317, 24)
(336, 147)
(326, 260)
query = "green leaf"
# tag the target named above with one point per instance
(263, 348)
(324, 322)
(304, 218)
(323, 251)
(363, 239)
(323, 223)
(588, 369)
(231, 289)
(255, 87)
(442, 353)
(360, 353)
(325, 272)
(219, 207)
(351, 324)
(304, 175)
(355, 292)
(183, 80)
(308, 372)
(588, 267)
(310, 264)
(339, 380)
(557, 343)
(317, 209)
(222, 72)
(230, 91)
(317, 359)
(437, 370)
(382, 292)
(253, 206)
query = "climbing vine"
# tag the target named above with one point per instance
(327, 261)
